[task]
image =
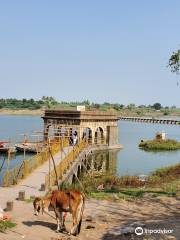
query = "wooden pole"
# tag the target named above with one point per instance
(49, 171)
(54, 166)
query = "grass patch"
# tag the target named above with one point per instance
(173, 170)
(162, 145)
(127, 194)
(162, 182)
(5, 225)
(29, 200)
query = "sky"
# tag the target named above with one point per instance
(101, 50)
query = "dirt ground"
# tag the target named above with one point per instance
(102, 220)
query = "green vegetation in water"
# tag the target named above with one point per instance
(5, 225)
(160, 145)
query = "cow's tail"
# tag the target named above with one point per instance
(80, 212)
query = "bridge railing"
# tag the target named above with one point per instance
(96, 140)
(65, 164)
(17, 173)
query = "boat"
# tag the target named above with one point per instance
(29, 147)
(5, 147)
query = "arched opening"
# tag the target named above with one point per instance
(87, 135)
(99, 137)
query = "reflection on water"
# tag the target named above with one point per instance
(104, 162)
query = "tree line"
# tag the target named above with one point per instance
(51, 102)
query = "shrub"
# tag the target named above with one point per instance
(4, 225)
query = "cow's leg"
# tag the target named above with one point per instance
(59, 219)
(74, 227)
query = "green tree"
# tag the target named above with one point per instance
(48, 101)
(174, 62)
(131, 106)
(157, 106)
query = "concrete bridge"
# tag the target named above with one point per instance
(93, 160)
(151, 120)
(98, 130)
(62, 160)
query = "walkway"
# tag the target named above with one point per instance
(31, 184)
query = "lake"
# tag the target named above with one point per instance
(130, 160)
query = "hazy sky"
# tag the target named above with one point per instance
(101, 50)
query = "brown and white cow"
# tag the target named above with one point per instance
(63, 201)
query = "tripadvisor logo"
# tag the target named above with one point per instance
(139, 231)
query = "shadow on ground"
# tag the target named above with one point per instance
(50, 225)
(161, 222)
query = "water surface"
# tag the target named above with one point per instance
(130, 160)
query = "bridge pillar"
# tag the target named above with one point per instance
(45, 131)
(112, 135)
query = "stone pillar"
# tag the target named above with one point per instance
(80, 133)
(105, 135)
(112, 135)
(93, 135)
(45, 130)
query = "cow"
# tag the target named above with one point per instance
(71, 201)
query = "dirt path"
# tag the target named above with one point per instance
(31, 184)
(104, 218)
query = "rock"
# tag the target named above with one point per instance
(61, 238)
(143, 177)
(90, 227)
(122, 231)
(137, 224)
(128, 230)
(171, 238)
(115, 196)
(88, 219)
(148, 195)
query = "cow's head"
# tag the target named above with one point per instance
(37, 203)
(41, 204)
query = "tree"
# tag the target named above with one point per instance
(157, 106)
(174, 62)
(131, 106)
(49, 101)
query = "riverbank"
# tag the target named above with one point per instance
(38, 112)
(121, 113)
(162, 182)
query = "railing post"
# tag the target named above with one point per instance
(26, 168)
